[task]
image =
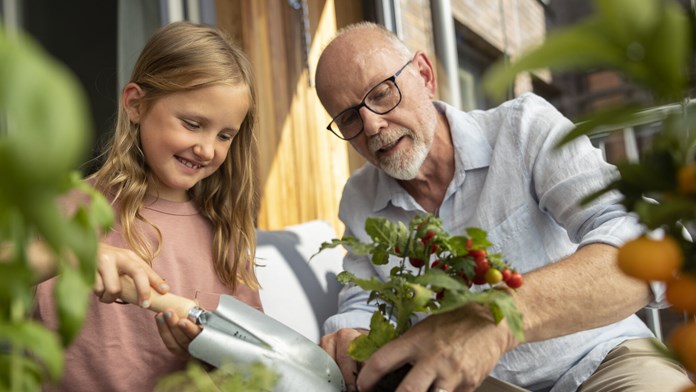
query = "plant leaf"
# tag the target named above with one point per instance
(72, 299)
(37, 339)
(381, 333)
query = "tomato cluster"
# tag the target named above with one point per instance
(463, 257)
(484, 272)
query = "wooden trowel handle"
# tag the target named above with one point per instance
(158, 302)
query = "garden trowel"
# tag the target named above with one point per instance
(236, 332)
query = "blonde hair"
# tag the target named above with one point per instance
(180, 57)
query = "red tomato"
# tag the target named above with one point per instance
(469, 243)
(515, 280)
(428, 236)
(416, 262)
(477, 253)
(439, 264)
(506, 274)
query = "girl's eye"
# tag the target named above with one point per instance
(191, 124)
(225, 137)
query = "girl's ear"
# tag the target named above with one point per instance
(130, 100)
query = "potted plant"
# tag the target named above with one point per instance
(437, 272)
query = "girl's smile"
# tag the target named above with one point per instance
(186, 136)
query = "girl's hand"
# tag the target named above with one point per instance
(115, 262)
(176, 332)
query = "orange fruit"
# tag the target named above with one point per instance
(650, 259)
(686, 179)
(682, 342)
(681, 292)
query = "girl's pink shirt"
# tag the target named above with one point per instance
(119, 348)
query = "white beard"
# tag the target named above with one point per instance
(405, 163)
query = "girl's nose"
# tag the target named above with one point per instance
(204, 149)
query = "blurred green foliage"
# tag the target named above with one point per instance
(651, 44)
(231, 377)
(44, 134)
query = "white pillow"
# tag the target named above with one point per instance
(295, 291)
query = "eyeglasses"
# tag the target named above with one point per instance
(381, 99)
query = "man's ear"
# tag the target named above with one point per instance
(426, 71)
(131, 101)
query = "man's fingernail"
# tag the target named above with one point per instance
(160, 319)
(168, 315)
(145, 304)
(164, 286)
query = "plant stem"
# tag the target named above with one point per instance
(17, 314)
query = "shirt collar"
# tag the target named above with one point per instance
(471, 147)
(471, 151)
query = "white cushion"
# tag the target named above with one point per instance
(294, 290)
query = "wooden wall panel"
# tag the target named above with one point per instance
(302, 167)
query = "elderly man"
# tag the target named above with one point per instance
(497, 170)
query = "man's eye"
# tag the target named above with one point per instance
(348, 118)
(381, 93)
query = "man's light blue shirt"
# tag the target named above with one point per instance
(512, 181)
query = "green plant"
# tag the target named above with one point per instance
(650, 43)
(458, 262)
(43, 136)
(231, 377)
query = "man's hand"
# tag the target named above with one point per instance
(336, 344)
(176, 333)
(454, 351)
(112, 263)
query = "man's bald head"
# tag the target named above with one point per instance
(355, 50)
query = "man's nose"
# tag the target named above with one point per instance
(372, 122)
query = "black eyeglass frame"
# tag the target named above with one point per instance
(362, 103)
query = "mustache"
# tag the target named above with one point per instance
(383, 139)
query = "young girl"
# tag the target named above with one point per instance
(180, 175)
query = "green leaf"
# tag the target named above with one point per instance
(385, 231)
(647, 41)
(72, 300)
(100, 212)
(581, 45)
(625, 20)
(31, 373)
(439, 278)
(380, 256)
(381, 333)
(501, 304)
(611, 119)
(39, 341)
(479, 237)
(345, 277)
(232, 376)
(655, 215)
(47, 109)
